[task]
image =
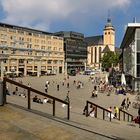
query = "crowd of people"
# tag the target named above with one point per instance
(99, 86)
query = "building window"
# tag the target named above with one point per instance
(138, 58)
(49, 42)
(21, 60)
(49, 48)
(138, 70)
(55, 48)
(21, 32)
(12, 30)
(49, 61)
(55, 61)
(29, 33)
(138, 45)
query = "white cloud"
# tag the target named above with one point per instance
(42, 13)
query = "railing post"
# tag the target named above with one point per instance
(124, 116)
(53, 107)
(103, 114)
(110, 116)
(128, 117)
(4, 92)
(131, 118)
(87, 109)
(68, 116)
(119, 114)
(29, 101)
(96, 112)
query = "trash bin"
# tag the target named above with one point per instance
(1, 93)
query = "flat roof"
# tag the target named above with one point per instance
(130, 29)
(24, 28)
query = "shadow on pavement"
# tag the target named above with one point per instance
(65, 121)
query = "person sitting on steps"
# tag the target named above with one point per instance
(37, 100)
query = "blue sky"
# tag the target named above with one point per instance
(85, 16)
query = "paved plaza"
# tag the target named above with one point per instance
(78, 97)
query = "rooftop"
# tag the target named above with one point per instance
(94, 40)
(130, 28)
(23, 28)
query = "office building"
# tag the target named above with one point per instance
(131, 55)
(30, 51)
(75, 50)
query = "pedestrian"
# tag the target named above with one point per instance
(74, 82)
(63, 82)
(68, 77)
(46, 89)
(67, 99)
(57, 87)
(116, 109)
(68, 85)
(128, 103)
(85, 110)
(92, 111)
(29, 85)
(139, 116)
(123, 104)
(108, 114)
(16, 91)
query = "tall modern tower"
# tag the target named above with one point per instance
(109, 35)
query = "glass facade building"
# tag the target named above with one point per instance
(131, 55)
(75, 49)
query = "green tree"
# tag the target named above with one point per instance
(110, 59)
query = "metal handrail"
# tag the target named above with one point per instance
(97, 106)
(124, 114)
(30, 89)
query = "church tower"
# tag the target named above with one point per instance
(109, 35)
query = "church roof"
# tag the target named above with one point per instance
(106, 49)
(94, 40)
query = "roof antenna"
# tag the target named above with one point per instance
(109, 17)
(134, 20)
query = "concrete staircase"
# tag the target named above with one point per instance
(78, 127)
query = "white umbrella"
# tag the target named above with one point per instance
(123, 80)
(106, 78)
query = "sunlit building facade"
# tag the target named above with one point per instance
(98, 45)
(29, 50)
